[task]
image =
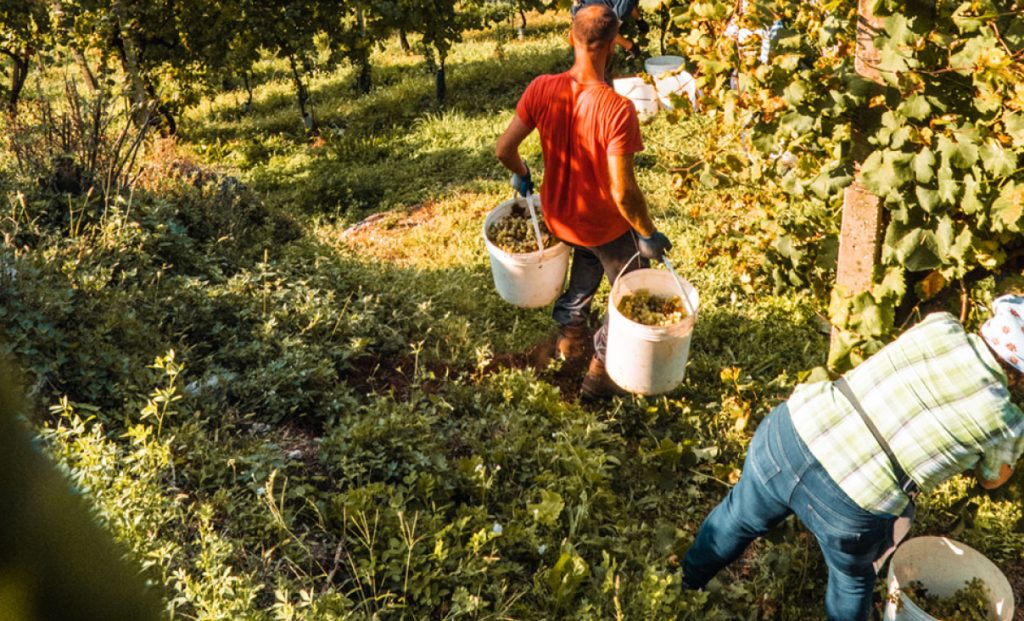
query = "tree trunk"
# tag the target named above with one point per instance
(247, 108)
(403, 39)
(521, 33)
(129, 52)
(364, 80)
(861, 233)
(440, 85)
(19, 73)
(303, 97)
(83, 65)
(665, 17)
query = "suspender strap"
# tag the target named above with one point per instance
(906, 484)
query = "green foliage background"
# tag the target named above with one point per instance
(943, 132)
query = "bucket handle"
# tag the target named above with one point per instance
(672, 270)
(536, 224)
(679, 281)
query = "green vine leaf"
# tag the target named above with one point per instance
(548, 509)
(915, 107)
(927, 198)
(997, 161)
(923, 165)
(884, 171)
(1008, 208)
(959, 152)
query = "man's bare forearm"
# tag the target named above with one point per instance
(633, 207)
(507, 148)
(512, 161)
(628, 196)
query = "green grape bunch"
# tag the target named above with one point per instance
(644, 307)
(967, 604)
(515, 235)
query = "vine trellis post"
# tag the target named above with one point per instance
(860, 237)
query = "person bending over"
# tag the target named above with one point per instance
(941, 402)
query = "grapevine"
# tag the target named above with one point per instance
(944, 128)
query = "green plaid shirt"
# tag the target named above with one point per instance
(938, 397)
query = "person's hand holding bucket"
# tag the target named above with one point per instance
(654, 246)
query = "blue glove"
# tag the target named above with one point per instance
(655, 246)
(523, 184)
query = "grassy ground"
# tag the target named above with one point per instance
(355, 434)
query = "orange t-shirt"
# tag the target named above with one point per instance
(580, 126)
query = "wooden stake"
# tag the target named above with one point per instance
(861, 234)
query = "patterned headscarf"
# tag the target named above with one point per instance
(1004, 331)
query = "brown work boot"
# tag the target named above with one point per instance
(597, 384)
(573, 342)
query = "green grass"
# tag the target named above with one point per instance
(344, 446)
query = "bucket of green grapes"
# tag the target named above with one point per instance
(935, 578)
(651, 315)
(527, 262)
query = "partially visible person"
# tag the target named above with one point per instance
(56, 562)
(625, 10)
(941, 402)
(590, 197)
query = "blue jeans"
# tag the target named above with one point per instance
(589, 266)
(780, 476)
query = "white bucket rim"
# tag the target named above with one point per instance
(660, 65)
(898, 566)
(663, 59)
(521, 258)
(680, 328)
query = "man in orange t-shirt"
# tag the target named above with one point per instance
(590, 196)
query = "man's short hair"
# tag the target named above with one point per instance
(595, 26)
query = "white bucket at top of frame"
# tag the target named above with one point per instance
(649, 360)
(643, 95)
(657, 66)
(943, 566)
(530, 279)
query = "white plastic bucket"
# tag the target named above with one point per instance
(943, 566)
(670, 78)
(657, 66)
(649, 360)
(642, 94)
(681, 83)
(527, 280)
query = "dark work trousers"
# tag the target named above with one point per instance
(589, 264)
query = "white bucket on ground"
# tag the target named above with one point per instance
(531, 279)
(649, 360)
(670, 78)
(681, 84)
(642, 94)
(943, 566)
